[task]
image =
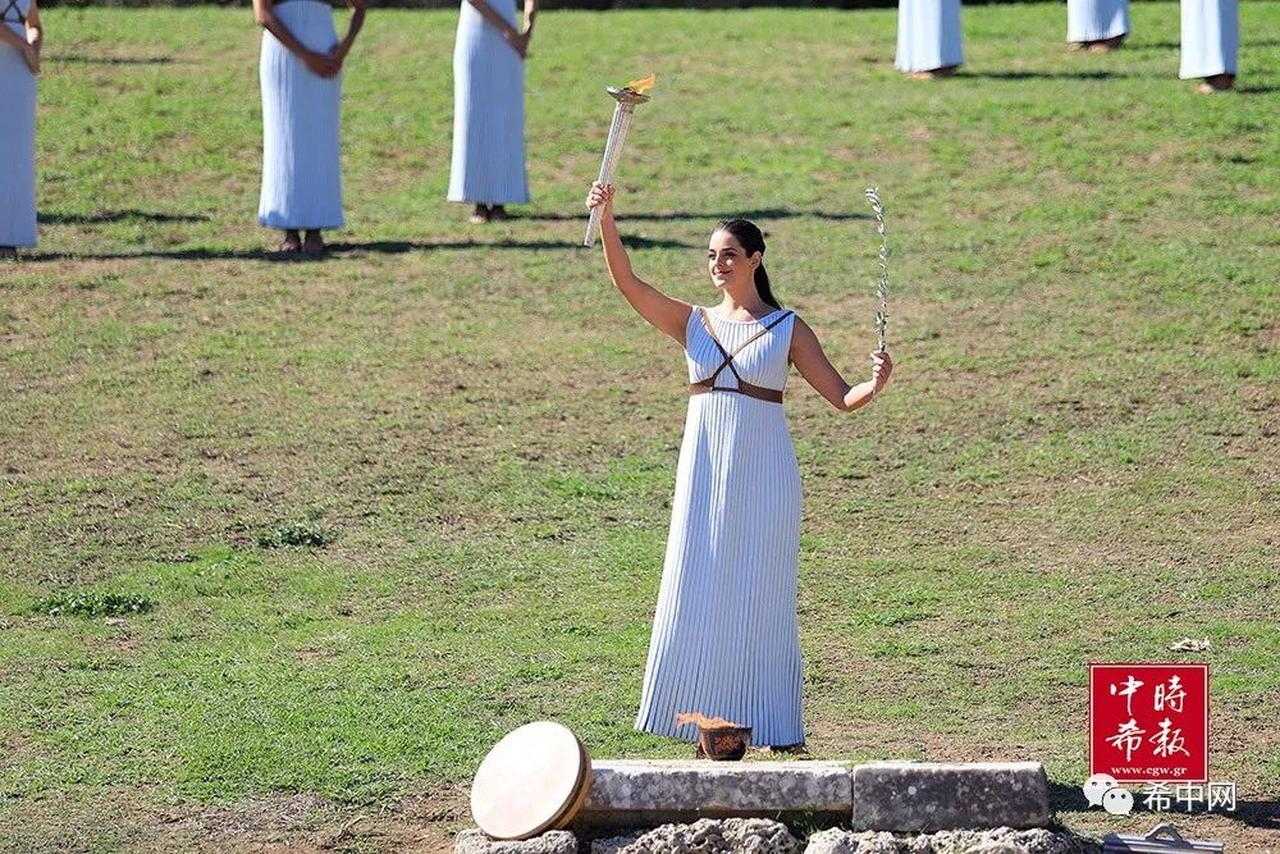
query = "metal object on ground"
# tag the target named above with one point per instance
(1162, 839)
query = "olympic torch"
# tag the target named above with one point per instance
(627, 98)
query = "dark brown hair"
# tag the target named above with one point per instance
(752, 241)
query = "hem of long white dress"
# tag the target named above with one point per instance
(690, 734)
(1205, 71)
(1096, 35)
(509, 200)
(909, 68)
(277, 222)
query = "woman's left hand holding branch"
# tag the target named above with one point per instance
(808, 357)
(881, 369)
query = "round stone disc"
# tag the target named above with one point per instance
(563, 821)
(529, 780)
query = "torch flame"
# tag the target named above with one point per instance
(643, 84)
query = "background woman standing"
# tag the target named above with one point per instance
(725, 641)
(930, 41)
(488, 107)
(1098, 25)
(20, 40)
(1210, 43)
(300, 71)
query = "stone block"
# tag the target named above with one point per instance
(922, 797)
(652, 792)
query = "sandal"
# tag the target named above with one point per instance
(1216, 83)
(314, 244)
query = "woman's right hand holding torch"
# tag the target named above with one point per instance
(601, 196)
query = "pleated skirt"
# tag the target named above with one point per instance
(725, 638)
(301, 168)
(17, 147)
(1096, 20)
(929, 35)
(1210, 37)
(488, 165)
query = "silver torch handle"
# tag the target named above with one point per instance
(609, 163)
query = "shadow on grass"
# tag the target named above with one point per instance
(757, 214)
(110, 60)
(1042, 75)
(339, 249)
(1260, 814)
(1177, 46)
(118, 216)
(1257, 90)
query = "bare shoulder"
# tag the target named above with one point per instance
(801, 333)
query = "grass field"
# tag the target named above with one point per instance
(1077, 460)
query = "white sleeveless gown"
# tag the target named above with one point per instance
(929, 35)
(301, 159)
(725, 639)
(1210, 38)
(487, 165)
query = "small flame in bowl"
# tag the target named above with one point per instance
(704, 722)
(643, 85)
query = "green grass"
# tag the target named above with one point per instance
(477, 438)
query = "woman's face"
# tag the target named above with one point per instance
(728, 264)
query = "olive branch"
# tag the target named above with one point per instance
(882, 286)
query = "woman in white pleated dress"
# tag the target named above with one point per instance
(725, 641)
(20, 40)
(1097, 25)
(930, 40)
(1210, 43)
(488, 167)
(300, 70)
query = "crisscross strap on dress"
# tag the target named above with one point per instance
(703, 386)
(12, 6)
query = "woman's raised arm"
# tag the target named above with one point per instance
(669, 315)
(812, 363)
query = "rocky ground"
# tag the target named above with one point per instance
(762, 836)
